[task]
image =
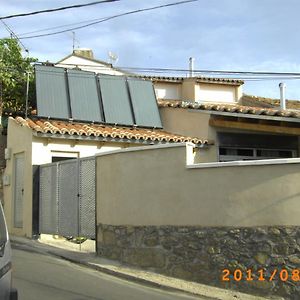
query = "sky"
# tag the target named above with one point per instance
(235, 35)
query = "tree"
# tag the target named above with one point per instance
(13, 77)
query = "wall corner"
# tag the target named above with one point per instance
(190, 157)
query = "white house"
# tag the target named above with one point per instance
(197, 89)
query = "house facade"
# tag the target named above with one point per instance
(239, 132)
(37, 141)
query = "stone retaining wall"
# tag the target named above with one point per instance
(200, 254)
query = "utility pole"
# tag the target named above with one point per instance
(27, 94)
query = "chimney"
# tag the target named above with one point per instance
(282, 87)
(85, 52)
(191, 66)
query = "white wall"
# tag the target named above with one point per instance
(215, 93)
(42, 151)
(189, 90)
(87, 65)
(170, 91)
(158, 186)
(19, 140)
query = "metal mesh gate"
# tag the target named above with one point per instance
(67, 198)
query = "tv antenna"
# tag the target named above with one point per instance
(113, 57)
(75, 42)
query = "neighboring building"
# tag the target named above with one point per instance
(83, 58)
(258, 101)
(199, 89)
(239, 132)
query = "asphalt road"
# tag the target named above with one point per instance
(39, 276)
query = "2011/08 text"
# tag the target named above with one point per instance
(260, 275)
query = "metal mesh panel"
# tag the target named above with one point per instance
(19, 191)
(48, 200)
(67, 198)
(68, 223)
(87, 200)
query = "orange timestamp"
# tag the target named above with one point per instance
(261, 275)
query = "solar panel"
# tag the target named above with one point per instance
(144, 103)
(115, 99)
(84, 96)
(51, 92)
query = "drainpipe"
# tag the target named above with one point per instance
(282, 87)
(191, 66)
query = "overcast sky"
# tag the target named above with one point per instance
(239, 35)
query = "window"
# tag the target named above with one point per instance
(63, 155)
(231, 154)
(245, 146)
(60, 158)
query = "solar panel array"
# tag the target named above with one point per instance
(87, 96)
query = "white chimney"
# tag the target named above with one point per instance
(85, 52)
(282, 87)
(191, 66)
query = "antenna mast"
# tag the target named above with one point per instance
(73, 33)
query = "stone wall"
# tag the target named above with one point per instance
(200, 254)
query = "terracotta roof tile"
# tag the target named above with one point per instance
(203, 79)
(97, 130)
(231, 108)
(258, 101)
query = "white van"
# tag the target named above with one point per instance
(6, 290)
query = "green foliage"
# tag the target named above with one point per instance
(13, 76)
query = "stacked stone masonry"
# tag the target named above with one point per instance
(201, 254)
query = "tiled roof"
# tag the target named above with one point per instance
(105, 131)
(198, 79)
(230, 108)
(250, 100)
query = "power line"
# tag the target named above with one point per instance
(247, 79)
(255, 76)
(112, 17)
(14, 35)
(56, 9)
(59, 26)
(200, 71)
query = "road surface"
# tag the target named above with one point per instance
(39, 276)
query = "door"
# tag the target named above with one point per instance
(18, 190)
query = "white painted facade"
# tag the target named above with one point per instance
(37, 151)
(215, 92)
(44, 150)
(88, 65)
(190, 90)
(171, 91)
